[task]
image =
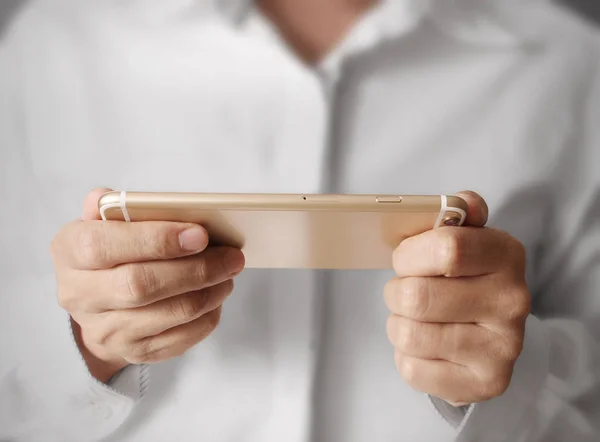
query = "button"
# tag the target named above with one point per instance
(389, 199)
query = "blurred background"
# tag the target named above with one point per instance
(589, 8)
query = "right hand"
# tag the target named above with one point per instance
(140, 292)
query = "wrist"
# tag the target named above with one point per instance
(101, 367)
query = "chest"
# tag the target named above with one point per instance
(208, 109)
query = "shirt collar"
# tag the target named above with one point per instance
(478, 22)
(488, 22)
(501, 24)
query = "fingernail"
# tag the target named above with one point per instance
(234, 261)
(193, 239)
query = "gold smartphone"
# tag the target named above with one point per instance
(296, 231)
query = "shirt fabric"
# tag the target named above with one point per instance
(421, 97)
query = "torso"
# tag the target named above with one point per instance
(204, 108)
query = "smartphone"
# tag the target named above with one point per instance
(296, 231)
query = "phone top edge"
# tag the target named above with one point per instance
(456, 202)
(114, 196)
(274, 201)
(112, 206)
(109, 198)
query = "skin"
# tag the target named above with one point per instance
(458, 303)
(139, 292)
(312, 28)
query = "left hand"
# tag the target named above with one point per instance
(459, 305)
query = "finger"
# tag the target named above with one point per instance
(451, 382)
(461, 300)
(477, 214)
(163, 315)
(96, 245)
(174, 342)
(454, 252)
(139, 284)
(464, 344)
(438, 299)
(90, 204)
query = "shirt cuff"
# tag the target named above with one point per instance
(506, 417)
(132, 381)
(72, 403)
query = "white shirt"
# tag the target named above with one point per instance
(503, 99)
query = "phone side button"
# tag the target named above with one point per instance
(388, 199)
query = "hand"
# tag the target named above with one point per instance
(459, 305)
(139, 292)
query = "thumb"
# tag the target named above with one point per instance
(477, 214)
(90, 204)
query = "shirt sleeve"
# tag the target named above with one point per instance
(50, 395)
(46, 391)
(554, 394)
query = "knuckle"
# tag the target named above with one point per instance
(516, 304)
(58, 243)
(213, 319)
(521, 305)
(511, 349)
(98, 335)
(408, 370)
(415, 298)
(493, 384)
(161, 242)
(406, 338)
(189, 306)
(203, 268)
(211, 266)
(139, 352)
(68, 301)
(122, 344)
(90, 249)
(140, 280)
(494, 388)
(452, 252)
